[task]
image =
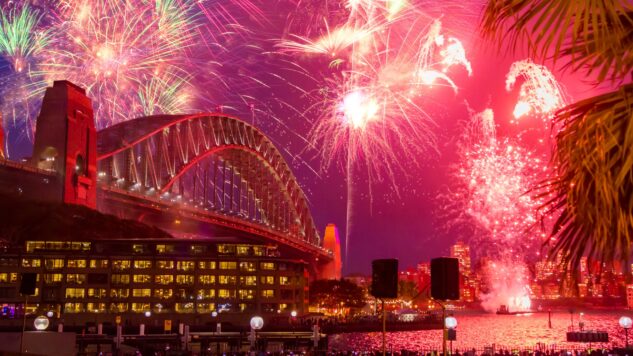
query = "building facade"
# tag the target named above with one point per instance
(185, 280)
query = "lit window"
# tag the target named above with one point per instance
(34, 245)
(268, 293)
(242, 250)
(53, 278)
(283, 306)
(4, 277)
(138, 248)
(268, 280)
(73, 308)
(54, 263)
(206, 294)
(142, 278)
(184, 307)
(226, 249)
(197, 249)
(284, 280)
(163, 293)
(98, 263)
(165, 264)
(184, 279)
(95, 307)
(247, 294)
(120, 265)
(228, 265)
(164, 279)
(31, 262)
(164, 248)
(140, 307)
(118, 307)
(141, 292)
(75, 293)
(96, 293)
(77, 278)
(248, 266)
(120, 279)
(268, 266)
(258, 250)
(119, 293)
(226, 293)
(185, 265)
(205, 307)
(248, 280)
(206, 265)
(142, 264)
(227, 280)
(206, 279)
(76, 264)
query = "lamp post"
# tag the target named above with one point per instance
(256, 323)
(626, 323)
(450, 323)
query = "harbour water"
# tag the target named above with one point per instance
(480, 330)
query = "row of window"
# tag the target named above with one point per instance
(225, 249)
(166, 293)
(187, 307)
(56, 263)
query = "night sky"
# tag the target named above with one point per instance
(405, 222)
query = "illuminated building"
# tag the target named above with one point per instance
(173, 278)
(461, 251)
(629, 296)
(332, 242)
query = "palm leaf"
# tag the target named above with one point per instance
(595, 34)
(592, 192)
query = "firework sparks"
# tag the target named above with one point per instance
(540, 93)
(20, 39)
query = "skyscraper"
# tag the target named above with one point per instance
(461, 251)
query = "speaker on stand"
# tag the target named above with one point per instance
(384, 284)
(444, 286)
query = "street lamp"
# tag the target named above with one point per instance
(256, 323)
(626, 323)
(293, 313)
(450, 323)
(148, 313)
(40, 323)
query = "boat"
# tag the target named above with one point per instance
(504, 310)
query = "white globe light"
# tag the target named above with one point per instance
(148, 313)
(626, 322)
(50, 314)
(40, 323)
(214, 314)
(293, 313)
(450, 322)
(257, 322)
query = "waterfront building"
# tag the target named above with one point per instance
(629, 296)
(175, 279)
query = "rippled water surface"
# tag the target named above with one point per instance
(479, 330)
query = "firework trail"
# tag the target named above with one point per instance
(386, 57)
(540, 93)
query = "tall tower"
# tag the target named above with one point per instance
(66, 142)
(461, 251)
(332, 242)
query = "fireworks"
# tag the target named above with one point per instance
(540, 93)
(20, 38)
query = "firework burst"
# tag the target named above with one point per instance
(540, 94)
(20, 38)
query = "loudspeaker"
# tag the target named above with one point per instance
(445, 278)
(27, 283)
(384, 278)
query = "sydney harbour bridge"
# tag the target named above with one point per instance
(197, 175)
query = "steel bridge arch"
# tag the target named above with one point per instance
(167, 156)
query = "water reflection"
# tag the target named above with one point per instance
(504, 331)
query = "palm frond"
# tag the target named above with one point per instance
(587, 33)
(592, 193)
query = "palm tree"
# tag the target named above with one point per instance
(592, 190)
